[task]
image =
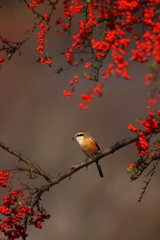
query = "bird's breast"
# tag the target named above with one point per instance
(89, 147)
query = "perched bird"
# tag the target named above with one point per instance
(88, 146)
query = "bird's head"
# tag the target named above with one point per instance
(80, 136)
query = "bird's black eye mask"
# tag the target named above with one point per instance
(80, 135)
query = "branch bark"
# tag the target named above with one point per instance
(73, 169)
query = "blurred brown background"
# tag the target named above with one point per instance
(39, 121)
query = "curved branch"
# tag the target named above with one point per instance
(76, 167)
(36, 169)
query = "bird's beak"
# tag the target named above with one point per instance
(73, 138)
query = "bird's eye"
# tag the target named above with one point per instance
(80, 135)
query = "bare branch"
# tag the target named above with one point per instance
(36, 169)
(76, 167)
(151, 173)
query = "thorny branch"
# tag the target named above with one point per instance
(151, 173)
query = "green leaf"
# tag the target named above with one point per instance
(152, 65)
(94, 78)
(95, 65)
(138, 120)
(85, 73)
(157, 142)
(59, 70)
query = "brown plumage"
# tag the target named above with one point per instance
(89, 146)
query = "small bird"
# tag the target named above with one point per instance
(89, 146)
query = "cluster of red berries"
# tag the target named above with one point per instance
(41, 40)
(15, 210)
(119, 18)
(151, 125)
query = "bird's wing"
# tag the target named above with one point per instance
(95, 143)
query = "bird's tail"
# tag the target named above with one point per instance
(99, 169)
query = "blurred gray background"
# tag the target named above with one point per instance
(39, 121)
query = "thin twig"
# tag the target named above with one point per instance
(73, 169)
